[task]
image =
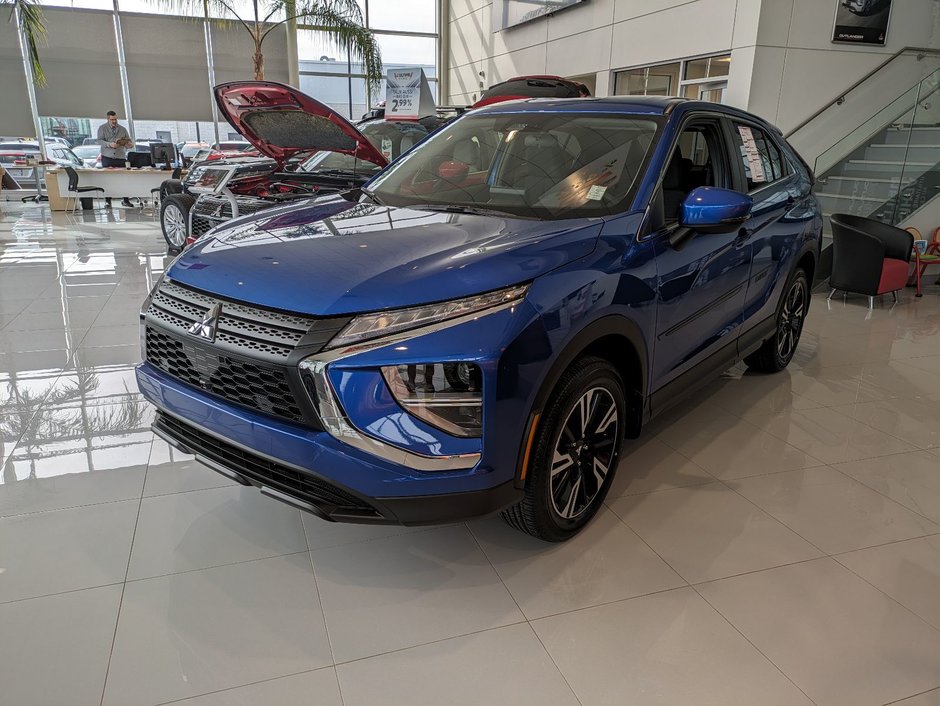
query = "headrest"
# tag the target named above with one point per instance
(468, 152)
(541, 140)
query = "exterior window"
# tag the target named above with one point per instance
(699, 79)
(762, 160)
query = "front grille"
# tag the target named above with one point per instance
(253, 358)
(287, 479)
(210, 211)
(242, 382)
(271, 335)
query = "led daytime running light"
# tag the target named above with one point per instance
(386, 323)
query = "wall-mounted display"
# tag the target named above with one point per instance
(862, 21)
(507, 13)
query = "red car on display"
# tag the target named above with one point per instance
(532, 87)
(303, 148)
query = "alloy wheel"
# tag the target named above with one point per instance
(174, 225)
(791, 320)
(584, 452)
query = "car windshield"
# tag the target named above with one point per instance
(18, 147)
(531, 164)
(391, 138)
(87, 151)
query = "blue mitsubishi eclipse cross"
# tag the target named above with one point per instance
(479, 327)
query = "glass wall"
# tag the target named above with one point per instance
(407, 34)
(406, 31)
(705, 78)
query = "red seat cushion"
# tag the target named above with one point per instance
(893, 275)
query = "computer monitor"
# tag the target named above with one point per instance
(139, 159)
(163, 154)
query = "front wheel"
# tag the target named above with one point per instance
(174, 219)
(577, 448)
(777, 351)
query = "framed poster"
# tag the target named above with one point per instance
(862, 21)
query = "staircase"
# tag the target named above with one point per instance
(876, 147)
(887, 178)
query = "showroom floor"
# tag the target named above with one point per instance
(773, 541)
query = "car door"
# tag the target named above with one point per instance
(702, 279)
(764, 171)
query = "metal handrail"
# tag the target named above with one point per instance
(840, 99)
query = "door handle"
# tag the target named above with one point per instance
(743, 236)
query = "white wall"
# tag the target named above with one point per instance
(783, 67)
(595, 37)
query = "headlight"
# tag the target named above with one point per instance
(385, 323)
(448, 396)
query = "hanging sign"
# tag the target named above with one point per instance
(408, 95)
(862, 21)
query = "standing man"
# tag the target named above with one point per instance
(114, 140)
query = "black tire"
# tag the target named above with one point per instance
(170, 186)
(569, 461)
(778, 350)
(174, 219)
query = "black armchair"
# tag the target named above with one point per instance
(74, 189)
(869, 257)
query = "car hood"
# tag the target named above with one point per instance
(331, 256)
(282, 122)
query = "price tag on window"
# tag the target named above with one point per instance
(752, 155)
(407, 95)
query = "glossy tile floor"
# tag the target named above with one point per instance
(776, 540)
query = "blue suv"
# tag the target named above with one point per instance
(479, 327)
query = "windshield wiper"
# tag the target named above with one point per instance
(339, 172)
(453, 208)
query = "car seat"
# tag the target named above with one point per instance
(676, 185)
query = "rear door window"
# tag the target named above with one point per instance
(761, 159)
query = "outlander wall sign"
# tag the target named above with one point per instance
(862, 21)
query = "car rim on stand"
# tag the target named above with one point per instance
(175, 225)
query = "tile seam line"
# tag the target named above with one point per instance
(758, 649)
(887, 595)
(60, 593)
(905, 698)
(213, 566)
(127, 568)
(486, 556)
(242, 686)
(890, 499)
(326, 625)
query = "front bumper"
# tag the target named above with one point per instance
(312, 470)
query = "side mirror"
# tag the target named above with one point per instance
(709, 209)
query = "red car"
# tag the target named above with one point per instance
(532, 87)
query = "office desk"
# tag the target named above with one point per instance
(117, 183)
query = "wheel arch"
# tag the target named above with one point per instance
(614, 338)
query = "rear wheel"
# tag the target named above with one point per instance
(778, 350)
(577, 448)
(174, 219)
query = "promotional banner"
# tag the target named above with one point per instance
(862, 21)
(408, 95)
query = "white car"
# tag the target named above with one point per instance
(89, 154)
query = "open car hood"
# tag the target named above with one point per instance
(282, 122)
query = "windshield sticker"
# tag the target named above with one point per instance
(751, 155)
(387, 147)
(596, 193)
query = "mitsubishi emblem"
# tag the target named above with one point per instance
(206, 327)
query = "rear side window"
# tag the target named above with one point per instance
(762, 160)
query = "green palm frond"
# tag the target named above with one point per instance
(341, 23)
(32, 25)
